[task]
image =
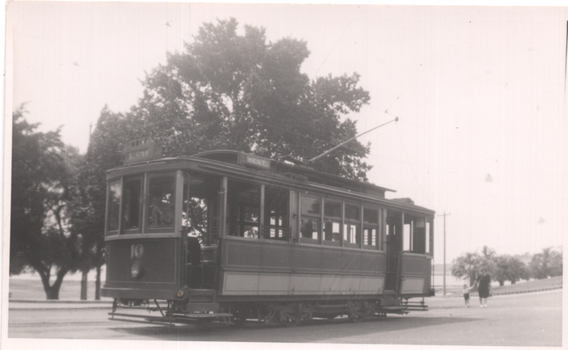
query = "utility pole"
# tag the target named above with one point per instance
(444, 215)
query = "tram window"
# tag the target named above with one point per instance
(200, 216)
(114, 195)
(370, 236)
(332, 231)
(332, 221)
(351, 234)
(243, 209)
(371, 227)
(419, 236)
(276, 211)
(309, 228)
(428, 238)
(406, 237)
(161, 201)
(131, 204)
(415, 234)
(352, 225)
(311, 218)
(311, 206)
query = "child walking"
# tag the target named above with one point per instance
(465, 293)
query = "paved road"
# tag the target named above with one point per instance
(515, 320)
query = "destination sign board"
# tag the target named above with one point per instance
(255, 161)
(141, 150)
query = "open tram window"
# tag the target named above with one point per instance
(332, 222)
(352, 226)
(429, 237)
(371, 232)
(243, 209)
(311, 219)
(276, 213)
(114, 196)
(200, 214)
(414, 234)
(131, 211)
(161, 202)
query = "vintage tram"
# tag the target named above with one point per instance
(229, 236)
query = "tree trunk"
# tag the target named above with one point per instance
(501, 283)
(98, 284)
(53, 291)
(84, 279)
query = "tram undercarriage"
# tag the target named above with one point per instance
(275, 313)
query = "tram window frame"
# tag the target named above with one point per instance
(309, 217)
(369, 225)
(138, 202)
(159, 207)
(113, 208)
(202, 190)
(429, 237)
(332, 222)
(352, 221)
(237, 211)
(414, 234)
(276, 224)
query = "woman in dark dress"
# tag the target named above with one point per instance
(484, 286)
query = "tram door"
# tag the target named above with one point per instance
(394, 248)
(200, 223)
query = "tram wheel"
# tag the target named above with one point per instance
(289, 319)
(358, 311)
(240, 315)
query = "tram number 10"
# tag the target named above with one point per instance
(136, 251)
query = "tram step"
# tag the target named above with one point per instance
(393, 308)
(202, 307)
(210, 315)
(201, 291)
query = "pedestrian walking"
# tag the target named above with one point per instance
(465, 293)
(483, 287)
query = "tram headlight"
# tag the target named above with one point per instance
(136, 269)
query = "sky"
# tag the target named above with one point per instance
(480, 93)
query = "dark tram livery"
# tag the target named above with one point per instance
(228, 236)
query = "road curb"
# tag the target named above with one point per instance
(459, 295)
(61, 301)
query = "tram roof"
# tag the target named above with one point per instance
(283, 168)
(293, 170)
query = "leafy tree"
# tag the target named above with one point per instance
(467, 266)
(509, 268)
(548, 263)
(240, 92)
(487, 262)
(470, 265)
(43, 181)
(88, 215)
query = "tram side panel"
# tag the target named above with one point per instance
(263, 268)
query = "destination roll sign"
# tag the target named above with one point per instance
(255, 161)
(141, 150)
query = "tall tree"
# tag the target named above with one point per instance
(548, 263)
(231, 91)
(88, 216)
(467, 266)
(510, 268)
(43, 175)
